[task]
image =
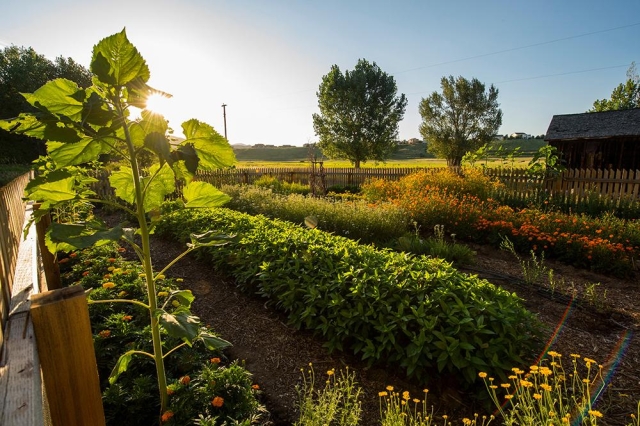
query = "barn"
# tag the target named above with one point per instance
(608, 140)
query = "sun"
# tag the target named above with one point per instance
(157, 102)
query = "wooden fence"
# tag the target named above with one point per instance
(607, 183)
(12, 214)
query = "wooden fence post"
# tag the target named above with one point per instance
(51, 268)
(67, 357)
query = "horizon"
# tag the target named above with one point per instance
(265, 61)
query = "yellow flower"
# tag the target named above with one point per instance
(163, 294)
(122, 293)
(508, 396)
(575, 355)
(389, 388)
(537, 396)
(554, 354)
(493, 387)
(545, 371)
(108, 285)
(416, 400)
(330, 372)
(590, 361)
(526, 383)
(179, 280)
(383, 393)
(505, 385)
(546, 387)
(482, 374)
(405, 395)
(110, 268)
(533, 368)
(595, 413)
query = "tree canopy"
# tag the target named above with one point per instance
(460, 119)
(625, 96)
(359, 113)
(23, 70)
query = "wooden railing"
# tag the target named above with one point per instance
(12, 213)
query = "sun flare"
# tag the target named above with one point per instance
(157, 103)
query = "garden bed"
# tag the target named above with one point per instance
(275, 353)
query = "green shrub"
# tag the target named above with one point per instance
(281, 187)
(355, 219)
(416, 313)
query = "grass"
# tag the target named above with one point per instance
(414, 162)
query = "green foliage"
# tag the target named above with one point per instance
(625, 96)
(461, 119)
(436, 246)
(280, 187)
(355, 219)
(359, 113)
(546, 163)
(337, 403)
(79, 125)
(532, 270)
(415, 313)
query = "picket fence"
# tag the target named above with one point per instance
(613, 184)
(12, 214)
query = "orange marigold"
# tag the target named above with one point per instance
(215, 360)
(185, 380)
(166, 416)
(217, 402)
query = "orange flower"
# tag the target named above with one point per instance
(166, 416)
(85, 273)
(217, 402)
(108, 285)
(104, 334)
(112, 260)
(215, 360)
(184, 380)
(255, 387)
(127, 318)
(121, 249)
(73, 255)
(170, 391)
(65, 260)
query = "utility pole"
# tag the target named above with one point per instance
(224, 114)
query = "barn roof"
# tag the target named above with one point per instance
(594, 125)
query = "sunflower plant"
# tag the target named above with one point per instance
(79, 126)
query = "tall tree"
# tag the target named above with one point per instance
(460, 119)
(23, 70)
(625, 96)
(359, 113)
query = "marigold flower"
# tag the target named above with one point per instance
(537, 396)
(505, 385)
(390, 388)
(331, 372)
(112, 260)
(595, 413)
(185, 380)
(108, 285)
(215, 360)
(546, 387)
(127, 318)
(383, 393)
(121, 249)
(405, 395)
(255, 387)
(170, 391)
(104, 334)
(482, 374)
(73, 255)
(166, 416)
(217, 402)
(508, 396)
(85, 273)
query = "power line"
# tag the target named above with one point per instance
(520, 48)
(563, 73)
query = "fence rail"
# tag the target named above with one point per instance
(12, 214)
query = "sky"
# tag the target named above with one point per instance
(265, 59)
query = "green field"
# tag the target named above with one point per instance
(405, 156)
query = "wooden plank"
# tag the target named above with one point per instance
(20, 380)
(61, 324)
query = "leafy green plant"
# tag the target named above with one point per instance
(78, 126)
(337, 403)
(416, 313)
(436, 246)
(532, 270)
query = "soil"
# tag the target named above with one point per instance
(596, 327)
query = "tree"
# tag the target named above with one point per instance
(625, 96)
(461, 119)
(359, 113)
(23, 70)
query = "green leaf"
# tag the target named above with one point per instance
(203, 194)
(185, 297)
(54, 188)
(158, 144)
(121, 366)
(117, 62)
(208, 239)
(212, 148)
(212, 342)
(181, 324)
(123, 184)
(69, 154)
(161, 183)
(59, 97)
(69, 237)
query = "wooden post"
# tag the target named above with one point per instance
(51, 268)
(65, 346)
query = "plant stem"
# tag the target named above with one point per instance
(148, 266)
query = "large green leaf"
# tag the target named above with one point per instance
(123, 184)
(117, 62)
(158, 186)
(121, 366)
(180, 324)
(185, 297)
(203, 195)
(68, 154)
(69, 237)
(159, 144)
(212, 342)
(52, 189)
(213, 149)
(209, 239)
(61, 97)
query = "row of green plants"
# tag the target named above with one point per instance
(416, 313)
(546, 394)
(203, 386)
(604, 244)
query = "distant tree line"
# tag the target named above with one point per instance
(23, 70)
